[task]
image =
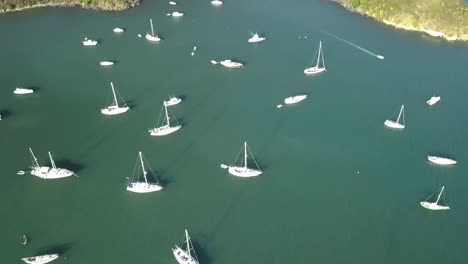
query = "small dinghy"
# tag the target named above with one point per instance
(118, 30)
(441, 161)
(23, 239)
(172, 3)
(214, 62)
(279, 106)
(295, 99)
(434, 100)
(89, 42)
(106, 63)
(21, 172)
(23, 91)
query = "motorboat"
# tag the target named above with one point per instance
(441, 160)
(118, 30)
(172, 101)
(256, 38)
(177, 14)
(434, 100)
(216, 2)
(23, 91)
(106, 63)
(231, 64)
(89, 42)
(295, 99)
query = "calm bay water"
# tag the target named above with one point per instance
(310, 206)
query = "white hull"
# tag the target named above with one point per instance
(231, 64)
(113, 110)
(152, 38)
(182, 257)
(118, 30)
(143, 187)
(89, 42)
(172, 101)
(23, 91)
(256, 39)
(40, 259)
(216, 2)
(177, 14)
(434, 206)
(51, 173)
(243, 172)
(106, 63)
(172, 3)
(314, 70)
(295, 99)
(441, 161)
(434, 100)
(393, 124)
(163, 130)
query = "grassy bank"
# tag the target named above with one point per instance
(110, 5)
(447, 16)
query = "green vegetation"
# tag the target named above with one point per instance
(15, 5)
(447, 16)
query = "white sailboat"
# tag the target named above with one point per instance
(142, 186)
(89, 42)
(242, 170)
(434, 100)
(114, 108)
(441, 160)
(172, 101)
(434, 206)
(40, 259)
(396, 124)
(165, 129)
(185, 256)
(295, 99)
(48, 172)
(317, 69)
(19, 90)
(152, 37)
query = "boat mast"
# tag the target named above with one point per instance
(143, 166)
(52, 161)
(245, 155)
(35, 163)
(167, 116)
(440, 194)
(323, 60)
(115, 97)
(188, 243)
(318, 57)
(152, 30)
(399, 115)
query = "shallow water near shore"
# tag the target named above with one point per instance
(337, 186)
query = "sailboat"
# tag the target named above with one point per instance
(397, 124)
(441, 160)
(40, 259)
(164, 129)
(114, 108)
(317, 69)
(152, 37)
(185, 256)
(140, 186)
(434, 206)
(47, 172)
(243, 170)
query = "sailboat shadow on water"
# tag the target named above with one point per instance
(59, 249)
(202, 253)
(71, 165)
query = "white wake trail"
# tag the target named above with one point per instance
(354, 45)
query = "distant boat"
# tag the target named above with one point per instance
(172, 3)
(172, 101)
(185, 256)
(40, 259)
(242, 170)
(256, 38)
(142, 186)
(434, 206)
(177, 14)
(295, 99)
(434, 99)
(106, 63)
(216, 2)
(118, 30)
(152, 37)
(433, 32)
(317, 68)
(397, 124)
(24, 239)
(114, 108)
(23, 91)
(164, 129)
(89, 42)
(441, 161)
(47, 172)
(231, 64)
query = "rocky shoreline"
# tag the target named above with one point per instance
(420, 27)
(118, 5)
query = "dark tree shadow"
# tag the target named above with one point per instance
(60, 249)
(70, 165)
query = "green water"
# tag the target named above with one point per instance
(310, 206)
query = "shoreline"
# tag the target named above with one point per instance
(77, 4)
(418, 28)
